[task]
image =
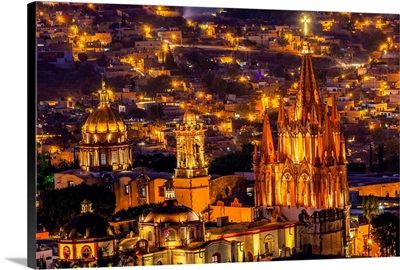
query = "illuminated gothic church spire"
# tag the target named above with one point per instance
(308, 168)
(267, 142)
(308, 98)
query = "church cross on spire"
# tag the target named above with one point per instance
(305, 20)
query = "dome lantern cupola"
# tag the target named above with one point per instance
(169, 191)
(104, 97)
(86, 207)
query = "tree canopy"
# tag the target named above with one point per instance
(370, 206)
(157, 85)
(170, 61)
(83, 57)
(233, 162)
(58, 207)
(158, 162)
(135, 212)
(385, 231)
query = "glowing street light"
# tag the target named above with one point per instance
(147, 30)
(165, 48)
(74, 30)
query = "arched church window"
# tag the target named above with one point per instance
(123, 155)
(103, 159)
(250, 256)
(170, 235)
(191, 233)
(216, 257)
(66, 252)
(86, 252)
(268, 243)
(91, 158)
(113, 157)
(227, 191)
(150, 236)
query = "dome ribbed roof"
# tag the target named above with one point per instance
(88, 225)
(189, 117)
(104, 120)
(171, 211)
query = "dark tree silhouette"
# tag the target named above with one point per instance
(83, 57)
(158, 162)
(370, 208)
(157, 85)
(230, 163)
(58, 207)
(102, 61)
(170, 61)
(385, 229)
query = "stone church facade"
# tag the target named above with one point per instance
(305, 178)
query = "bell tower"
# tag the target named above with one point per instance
(191, 173)
(190, 136)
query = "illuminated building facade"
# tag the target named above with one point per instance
(105, 145)
(87, 238)
(175, 234)
(306, 177)
(191, 179)
(171, 224)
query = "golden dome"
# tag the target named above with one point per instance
(189, 117)
(104, 119)
(171, 211)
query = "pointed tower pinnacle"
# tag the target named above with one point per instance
(281, 114)
(329, 146)
(335, 118)
(308, 95)
(267, 143)
(342, 151)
